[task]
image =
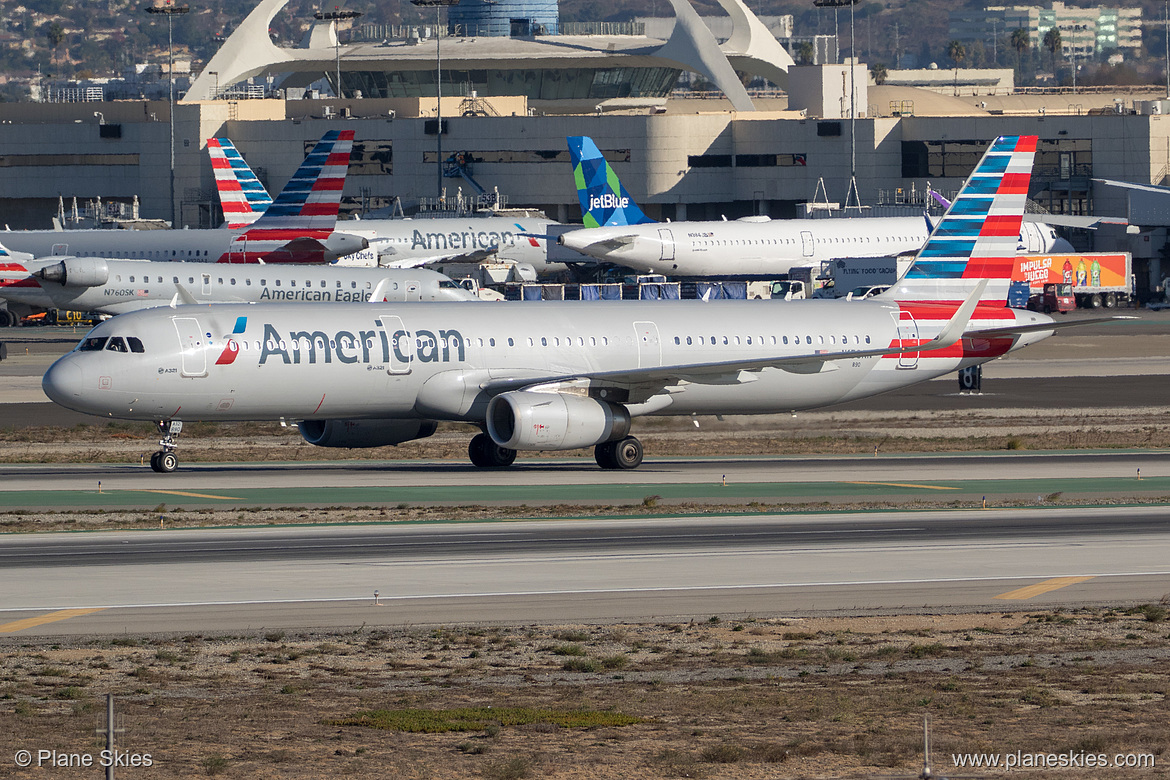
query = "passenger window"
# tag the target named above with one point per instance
(808, 339)
(676, 341)
(233, 282)
(543, 341)
(491, 342)
(135, 345)
(785, 339)
(749, 340)
(511, 343)
(248, 282)
(688, 341)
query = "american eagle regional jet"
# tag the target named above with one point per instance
(563, 375)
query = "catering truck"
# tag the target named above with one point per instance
(1098, 279)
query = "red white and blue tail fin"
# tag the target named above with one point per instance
(241, 195)
(312, 197)
(977, 237)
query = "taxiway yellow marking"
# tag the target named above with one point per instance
(1056, 583)
(905, 484)
(189, 495)
(52, 617)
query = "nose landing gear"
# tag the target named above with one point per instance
(165, 461)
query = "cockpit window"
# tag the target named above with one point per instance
(447, 284)
(135, 345)
(116, 344)
(92, 344)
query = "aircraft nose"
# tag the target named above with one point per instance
(63, 382)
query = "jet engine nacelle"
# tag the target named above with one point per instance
(77, 272)
(364, 433)
(554, 421)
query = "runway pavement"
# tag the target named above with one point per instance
(589, 570)
(937, 477)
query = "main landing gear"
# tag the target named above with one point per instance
(622, 454)
(486, 454)
(165, 461)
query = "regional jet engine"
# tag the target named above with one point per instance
(77, 272)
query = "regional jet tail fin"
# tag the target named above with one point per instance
(976, 238)
(312, 197)
(604, 201)
(242, 197)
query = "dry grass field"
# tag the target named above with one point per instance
(717, 697)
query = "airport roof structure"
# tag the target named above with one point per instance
(540, 67)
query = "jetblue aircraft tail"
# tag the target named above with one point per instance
(977, 236)
(604, 201)
(241, 195)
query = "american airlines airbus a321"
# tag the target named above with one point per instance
(565, 375)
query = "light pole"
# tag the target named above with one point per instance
(170, 11)
(438, 6)
(835, 4)
(335, 16)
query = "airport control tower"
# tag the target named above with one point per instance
(515, 18)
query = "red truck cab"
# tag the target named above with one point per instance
(1055, 297)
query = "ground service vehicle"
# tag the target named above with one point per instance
(1097, 279)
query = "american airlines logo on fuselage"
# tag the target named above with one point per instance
(362, 346)
(309, 294)
(462, 239)
(608, 201)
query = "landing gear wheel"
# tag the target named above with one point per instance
(486, 454)
(627, 453)
(624, 454)
(603, 454)
(167, 462)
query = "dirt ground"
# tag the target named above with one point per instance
(803, 434)
(717, 697)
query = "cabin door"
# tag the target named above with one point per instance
(907, 337)
(192, 346)
(649, 345)
(806, 243)
(667, 239)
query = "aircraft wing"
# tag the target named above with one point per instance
(474, 256)
(1012, 330)
(648, 381)
(1068, 220)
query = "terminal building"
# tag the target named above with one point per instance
(679, 158)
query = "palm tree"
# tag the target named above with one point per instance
(957, 52)
(879, 71)
(805, 53)
(1021, 42)
(56, 35)
(1053, 44)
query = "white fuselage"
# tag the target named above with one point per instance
(119, 286)
(411, 241)
(432, 360)
(193, 246)
(762, 247)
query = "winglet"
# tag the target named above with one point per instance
(182, 297)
